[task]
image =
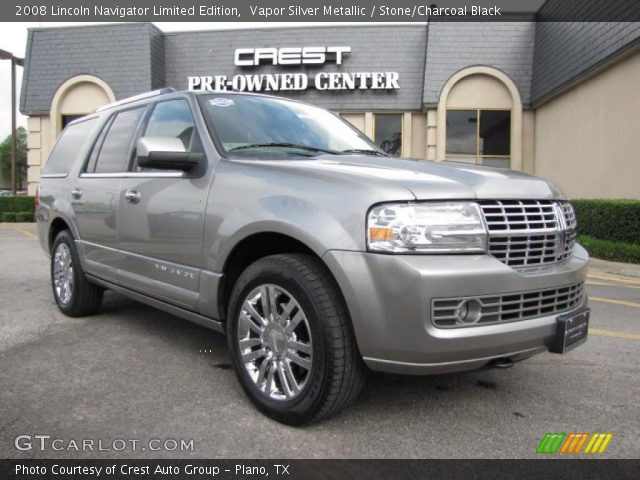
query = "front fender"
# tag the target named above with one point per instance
(292, 216)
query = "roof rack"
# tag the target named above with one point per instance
(135, 98)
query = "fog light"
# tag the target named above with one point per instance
(469, 311)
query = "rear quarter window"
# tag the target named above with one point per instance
(69, 145)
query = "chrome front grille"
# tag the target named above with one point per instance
(571, 229)
(492, 309)
(526, 233)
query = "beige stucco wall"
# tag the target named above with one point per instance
(588, 139)
(355, 119)
(39, 143)
(528, 140)
(479, 91)
(418, 136)
(432, 131)
(82, 98)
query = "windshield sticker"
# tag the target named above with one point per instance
(221, 102)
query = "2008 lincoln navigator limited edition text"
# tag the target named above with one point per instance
(319, 255)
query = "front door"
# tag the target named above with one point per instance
(161, 216)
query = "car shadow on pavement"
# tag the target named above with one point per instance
(394, 392)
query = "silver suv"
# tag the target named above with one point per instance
(317, 254)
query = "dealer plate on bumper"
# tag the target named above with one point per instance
(571, 332)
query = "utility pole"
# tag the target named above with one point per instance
(4, 55)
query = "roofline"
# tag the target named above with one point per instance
(520, 16)
(24, 84)
(91, 25)
(305, 25)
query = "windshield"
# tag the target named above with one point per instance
(251, 125)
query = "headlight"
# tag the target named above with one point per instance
(426, 228)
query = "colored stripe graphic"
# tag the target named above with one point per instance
(598, 443)
(572, 443)
(551, 442)
(578, 448)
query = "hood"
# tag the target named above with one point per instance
(428, 180)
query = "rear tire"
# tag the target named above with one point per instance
(73, 293)
(295, 354)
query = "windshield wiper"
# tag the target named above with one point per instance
(363, 151)
(285, 145)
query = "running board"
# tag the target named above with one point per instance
(160, 305)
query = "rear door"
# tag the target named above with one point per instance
(161, 215)
(95, 192)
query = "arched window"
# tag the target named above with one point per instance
(480, 119)
(76, 97)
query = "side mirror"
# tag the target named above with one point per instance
(165, 153)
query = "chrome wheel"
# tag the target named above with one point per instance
(63, 273)
(275, 342)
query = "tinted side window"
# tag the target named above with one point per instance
(68, 145)
(116, 148)
(172, 119)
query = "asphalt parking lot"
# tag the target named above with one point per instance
(133, 372)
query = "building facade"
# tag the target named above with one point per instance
(557, 100)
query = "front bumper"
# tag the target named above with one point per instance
(389, 298)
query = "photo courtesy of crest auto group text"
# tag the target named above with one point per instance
(314, 241)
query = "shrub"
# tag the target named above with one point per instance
(24, 217)
(8, 216)
(608, 250)
(615, 220)
(17, 204)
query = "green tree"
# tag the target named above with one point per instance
(21, 157)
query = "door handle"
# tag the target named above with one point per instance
(132, 196)
(76, 193)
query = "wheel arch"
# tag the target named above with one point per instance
(57, 225)
(254, 247)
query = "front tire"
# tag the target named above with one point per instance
(73, 293)
(291, 340)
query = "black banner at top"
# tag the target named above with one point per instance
(326, 11)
